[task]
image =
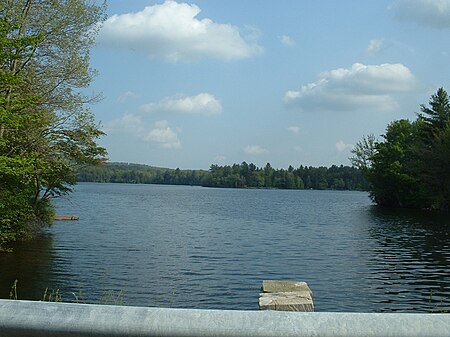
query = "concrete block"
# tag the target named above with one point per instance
(287, 301)
(286, 296)
(272, 286)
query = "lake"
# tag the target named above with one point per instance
(194, 247)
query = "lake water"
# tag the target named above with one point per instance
(193, 247)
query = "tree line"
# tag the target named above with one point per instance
(139, 174)
(410, 166)
(235, 176)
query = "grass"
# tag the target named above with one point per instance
(13, 291)
(108, 297)
(438, 307)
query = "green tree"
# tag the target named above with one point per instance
(433, 149)
(363, 153)
(46, 130)
(437, 116)
(268, 175)
(410, 166)
(438, 173)
(394, 172)
(18, 205)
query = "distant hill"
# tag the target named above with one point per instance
(139, 174)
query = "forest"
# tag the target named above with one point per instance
(410, 166)
(235, 176)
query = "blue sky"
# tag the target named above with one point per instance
(195, 83)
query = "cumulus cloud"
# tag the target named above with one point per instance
(202, 104)
(133, 125)
(341, 146)
(164, 135)
(287, 41)
(128, 123)
(428, 13)
(172, 32)
(375, 46)
(368, 87)
(294, 129)
(254, 149)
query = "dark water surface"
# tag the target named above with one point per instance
(192, 247)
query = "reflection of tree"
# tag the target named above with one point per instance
(411, 257)
(31, 263)
(426, 235)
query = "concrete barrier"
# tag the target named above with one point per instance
(26, 318)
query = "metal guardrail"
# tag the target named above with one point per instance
(26, 318)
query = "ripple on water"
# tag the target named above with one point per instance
(211, 248)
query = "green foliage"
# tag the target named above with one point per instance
(410, 166)
(236, 176)
(139, 174)
(394, 172)
(363, 152)
(320, 178)
(45, 130)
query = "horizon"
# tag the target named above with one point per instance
(222, 165)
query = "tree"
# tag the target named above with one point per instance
(16, 117)
(437, 116)
(46, 130)
(363, 153)
(394, 171)
(410, 166)
(438, 173)
(268, 175)
(433, 149)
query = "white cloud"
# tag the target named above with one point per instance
(254, 149)
(202, 104)
(172, 32)
(360, 87)
(164, 135)
(428, 13)
(375, 46)
(341, 146)
(128, 123)
(126, 96)
(134, 126)
(294, 129)
(287, 41)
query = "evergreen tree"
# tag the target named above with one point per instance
(434, 149)
(437, 116)
(410, 167)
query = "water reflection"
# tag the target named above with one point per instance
(32, 264)
(410, 260)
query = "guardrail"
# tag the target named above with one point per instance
(27, 318)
